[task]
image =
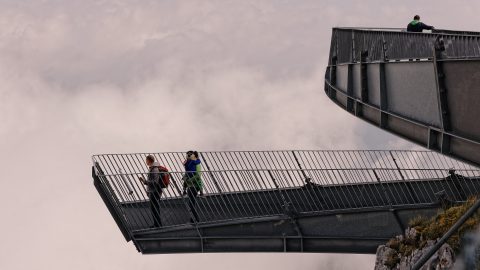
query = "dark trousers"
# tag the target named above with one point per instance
(192, 193)
(155, 207)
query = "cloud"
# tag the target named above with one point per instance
(87, 77)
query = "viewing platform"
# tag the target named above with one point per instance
(282, 201)
(424, 87)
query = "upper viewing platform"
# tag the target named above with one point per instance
(282, 201)
(424, 87)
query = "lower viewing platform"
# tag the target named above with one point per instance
(282, 201)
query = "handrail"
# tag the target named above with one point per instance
(296, 170)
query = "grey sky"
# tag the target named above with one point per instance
(85, 77)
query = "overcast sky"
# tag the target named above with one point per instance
(84, 77)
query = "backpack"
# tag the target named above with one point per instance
(165, 177)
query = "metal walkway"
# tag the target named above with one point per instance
(424, 87)
(283, 201)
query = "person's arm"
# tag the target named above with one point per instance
(426, 26)
(197, 163)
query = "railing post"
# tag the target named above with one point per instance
(384, 48)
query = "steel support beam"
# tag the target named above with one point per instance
(442, 95)
(350, 101)
(383, 96)
(364, 76)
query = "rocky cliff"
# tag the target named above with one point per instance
(396, 255)
(403, 251)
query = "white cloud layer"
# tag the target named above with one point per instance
(84, 77)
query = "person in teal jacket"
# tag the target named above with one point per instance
(192, 182)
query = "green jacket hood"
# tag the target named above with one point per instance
(414, 22)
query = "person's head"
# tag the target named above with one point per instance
(416, 18)
(192, 154)
(149, 160)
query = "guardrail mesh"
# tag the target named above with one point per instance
(348, 44)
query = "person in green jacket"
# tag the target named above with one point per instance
(417, 26)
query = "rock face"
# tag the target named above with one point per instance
(383, 255)
(390, 257)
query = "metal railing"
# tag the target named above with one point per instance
(348, 44)
(248, 184)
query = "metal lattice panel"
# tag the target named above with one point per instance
(349, 43)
